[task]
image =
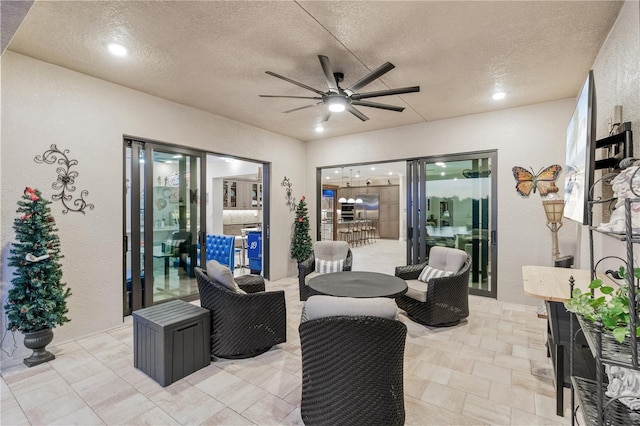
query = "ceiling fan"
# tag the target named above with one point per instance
(338, 99)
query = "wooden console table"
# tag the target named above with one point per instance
(552, 285)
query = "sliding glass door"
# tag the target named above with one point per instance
(163, 220)
(451, 201)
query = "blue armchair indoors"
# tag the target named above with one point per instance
(221, 248)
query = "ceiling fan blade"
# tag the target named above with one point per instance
(377, 73)
(299, 108)
(357, 113)
(328, 74)
(358, 96)
(327, 115)
(377, 105)
(290, 97)
(304, 86)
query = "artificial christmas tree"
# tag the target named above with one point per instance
(37, 300)
(301, 244)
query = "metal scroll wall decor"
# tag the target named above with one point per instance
(65, 183)
(291, 202)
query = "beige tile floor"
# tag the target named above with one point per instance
(492, 370)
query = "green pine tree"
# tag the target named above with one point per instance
(37, 299)
(301, 244)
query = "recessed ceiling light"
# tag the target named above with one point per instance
(373, 168)
(441, 164)
(336, 171)
(441, 173)
(390, 173)
(168, 161)
(328, 177)
(117, 49)
(177, 156)
(498, 96)
(319, 128)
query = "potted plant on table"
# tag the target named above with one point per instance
(612, 310)
(37, 299)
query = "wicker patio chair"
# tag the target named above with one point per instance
(325, 251)
(352, 368)
(243, 324)
(440, 301)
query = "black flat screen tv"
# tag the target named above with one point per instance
(579, 165)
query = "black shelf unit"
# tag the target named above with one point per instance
(597, 408)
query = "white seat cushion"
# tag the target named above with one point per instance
(328, 306)
(417, 290)
(447, 258)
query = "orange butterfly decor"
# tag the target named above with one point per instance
(544, 181)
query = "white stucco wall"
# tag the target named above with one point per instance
(532, 136)
(617, 82)
(43, 104)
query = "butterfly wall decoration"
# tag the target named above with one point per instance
(543, 181)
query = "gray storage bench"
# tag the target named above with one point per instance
(171, 340)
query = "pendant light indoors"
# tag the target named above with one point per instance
(359, 200)
(342, 199)
(351, 200)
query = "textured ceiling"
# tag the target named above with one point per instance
(213, 55)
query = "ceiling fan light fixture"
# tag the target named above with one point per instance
(336, 104)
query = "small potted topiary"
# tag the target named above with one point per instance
(37, 299)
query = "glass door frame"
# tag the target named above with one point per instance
(141, 299)
(416, 224)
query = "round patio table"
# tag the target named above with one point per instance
(358, 284)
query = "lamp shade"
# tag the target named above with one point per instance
(342, 200)
(554, 210)
(351, 200)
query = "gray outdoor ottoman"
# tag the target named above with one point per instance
(171, 340)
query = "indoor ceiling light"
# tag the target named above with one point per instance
(441, 164)
(177, 156)
(336, 104)
(336, 172)
(319, 128)
(351, 200)
(117, 49)
(342, 200)
(498, 96)
(373, 168)
(359, 201)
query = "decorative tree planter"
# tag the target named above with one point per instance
(37, 341)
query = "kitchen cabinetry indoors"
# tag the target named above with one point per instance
(386, 199)
(242, 194)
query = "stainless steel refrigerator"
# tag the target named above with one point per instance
(369, 209)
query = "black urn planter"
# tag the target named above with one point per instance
(37, 341)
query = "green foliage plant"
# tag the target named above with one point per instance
(301, 243)
(612, 308)
(37, 299)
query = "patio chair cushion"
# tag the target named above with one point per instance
(325, 266)
(447, 259)
(417, 290)
(328, 306)
(330, 250)
(430, 272)
(223, 275)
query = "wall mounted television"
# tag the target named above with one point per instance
(580, 155)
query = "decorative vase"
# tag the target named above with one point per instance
(37, 341)
(624, 383)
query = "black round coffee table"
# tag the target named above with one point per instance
(358, 284)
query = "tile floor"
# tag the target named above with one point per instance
(493, 369)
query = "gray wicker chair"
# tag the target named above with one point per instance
(447, 298)
(242, 324)
(352, 370)
(308, 267)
